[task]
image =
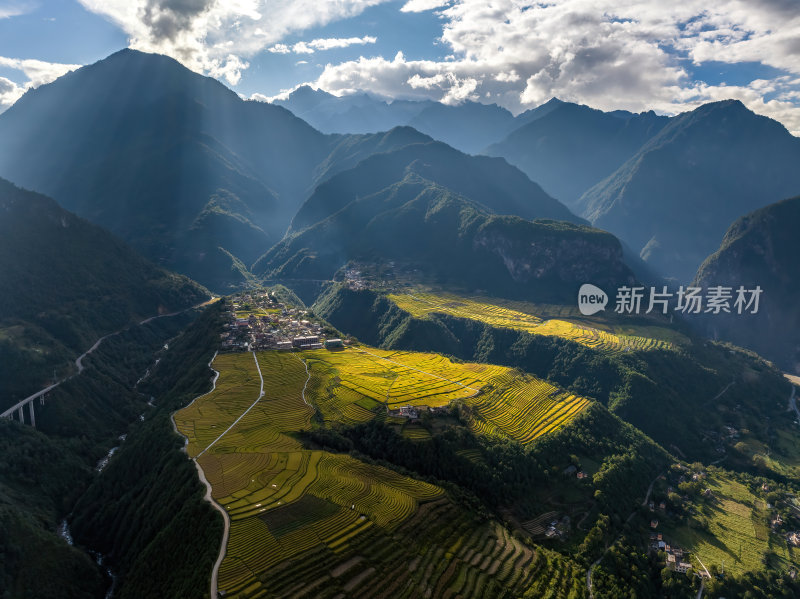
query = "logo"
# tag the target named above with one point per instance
(591, 299)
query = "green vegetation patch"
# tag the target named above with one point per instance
(730, 528)
(289, 518)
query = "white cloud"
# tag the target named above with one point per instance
(37, 72)
(423, 5)
(280, 49)
(15, 9)
(636, 54)
(9, 93)
(321, 44)
(218, 36)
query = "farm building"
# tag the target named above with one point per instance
(408, 412)
(307, 340)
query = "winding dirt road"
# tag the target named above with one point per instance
(208, 497)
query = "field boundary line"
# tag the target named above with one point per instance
(308, 379)
(235, 422)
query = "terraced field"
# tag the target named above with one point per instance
(524, 408)
(308, 523)
(457, 556)
(738, 533)
(352, 383)
(521, 316)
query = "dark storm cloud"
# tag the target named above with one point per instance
(167, 18)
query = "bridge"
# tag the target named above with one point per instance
(18, 409)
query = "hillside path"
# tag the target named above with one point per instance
(243, 414)
(590, 571)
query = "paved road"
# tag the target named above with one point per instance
(79, 361)
(208, 497)
(225, 533)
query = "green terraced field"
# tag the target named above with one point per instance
(308, 523)
(522, 316)
(738, 532)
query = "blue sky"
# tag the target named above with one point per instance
(646, 54)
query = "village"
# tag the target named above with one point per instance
(686, 494)
(259, 320)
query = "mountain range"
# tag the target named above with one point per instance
(469, 127)
(572, 147)
(673, 200)
(203, 182)
(464, 219)
(446, 236)
(173, 162)
(668, 187)
(228, 191)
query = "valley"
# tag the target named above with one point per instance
(329, 346)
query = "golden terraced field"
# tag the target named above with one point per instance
(311, 523)
(520, 316)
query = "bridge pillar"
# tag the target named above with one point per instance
(33, 415)
(21, 415)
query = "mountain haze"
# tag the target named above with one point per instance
(491, 182)
(761, 249)
(174, 162)
(469, 127)
(673, 200)
(571, 147)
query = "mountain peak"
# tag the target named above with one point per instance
(129, 58)
(723, 108)
(306, 91)
(554, 101)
